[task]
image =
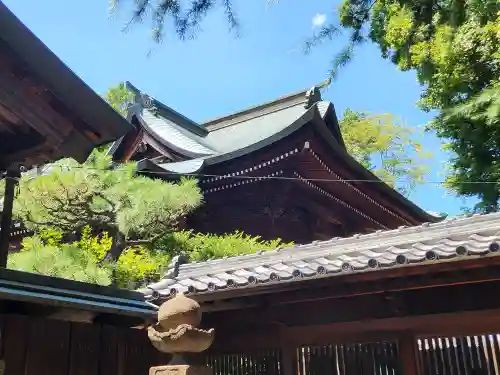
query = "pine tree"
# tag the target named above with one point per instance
(131, 209)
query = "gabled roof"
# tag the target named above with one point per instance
(452, 239)
(226, 137)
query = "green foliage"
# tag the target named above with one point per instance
(185, 16)
(81, 260)
(454, 48)
(200, 247)
(108, 198)
(119, 97)
(386, 146)
(96, 246)
(138, 265)
(52, 258)
(476, 144)
(50, 237)
(2, 189)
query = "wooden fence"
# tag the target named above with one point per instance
(363, 358)
(49, 347)
(264, 362)
(468, 355)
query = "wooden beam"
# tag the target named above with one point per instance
(346, 207)
(464, 270)
(452, 324)
(128, 145)
(443, 300)
(328, 210)
(35, 155)
(160, 148)
(429, 277)
(347, 192)
(404, 330)
(246, 339)
(26, 87)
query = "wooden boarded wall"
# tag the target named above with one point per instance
(32, 346)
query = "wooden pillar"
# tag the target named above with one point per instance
(408, 353)
(288, 353)
(11, 179)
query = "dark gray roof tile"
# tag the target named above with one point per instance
(477, 235)
(175, 136)
(451, 239)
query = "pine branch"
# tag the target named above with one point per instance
(324, 34)
(231, 17)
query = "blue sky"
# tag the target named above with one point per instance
(216, 73)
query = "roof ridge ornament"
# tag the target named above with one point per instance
(173, 267)
(313, 95)
(147, 102)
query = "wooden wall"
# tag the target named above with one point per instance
(453, 355)
(32, 346)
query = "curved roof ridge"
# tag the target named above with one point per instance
(308, 97)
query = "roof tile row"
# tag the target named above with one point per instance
(452, 239)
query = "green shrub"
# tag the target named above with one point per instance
(200, 247)
(137, 266)
(60, 260)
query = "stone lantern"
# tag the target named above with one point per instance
(176, 332)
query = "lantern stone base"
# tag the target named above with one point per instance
(180, 370)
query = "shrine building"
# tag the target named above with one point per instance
(276, 170)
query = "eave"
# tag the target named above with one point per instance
(42, 80)
(60, 295)
(365, 174)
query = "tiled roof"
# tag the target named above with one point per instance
(176, 137)
(451, 239)
(221, 139)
